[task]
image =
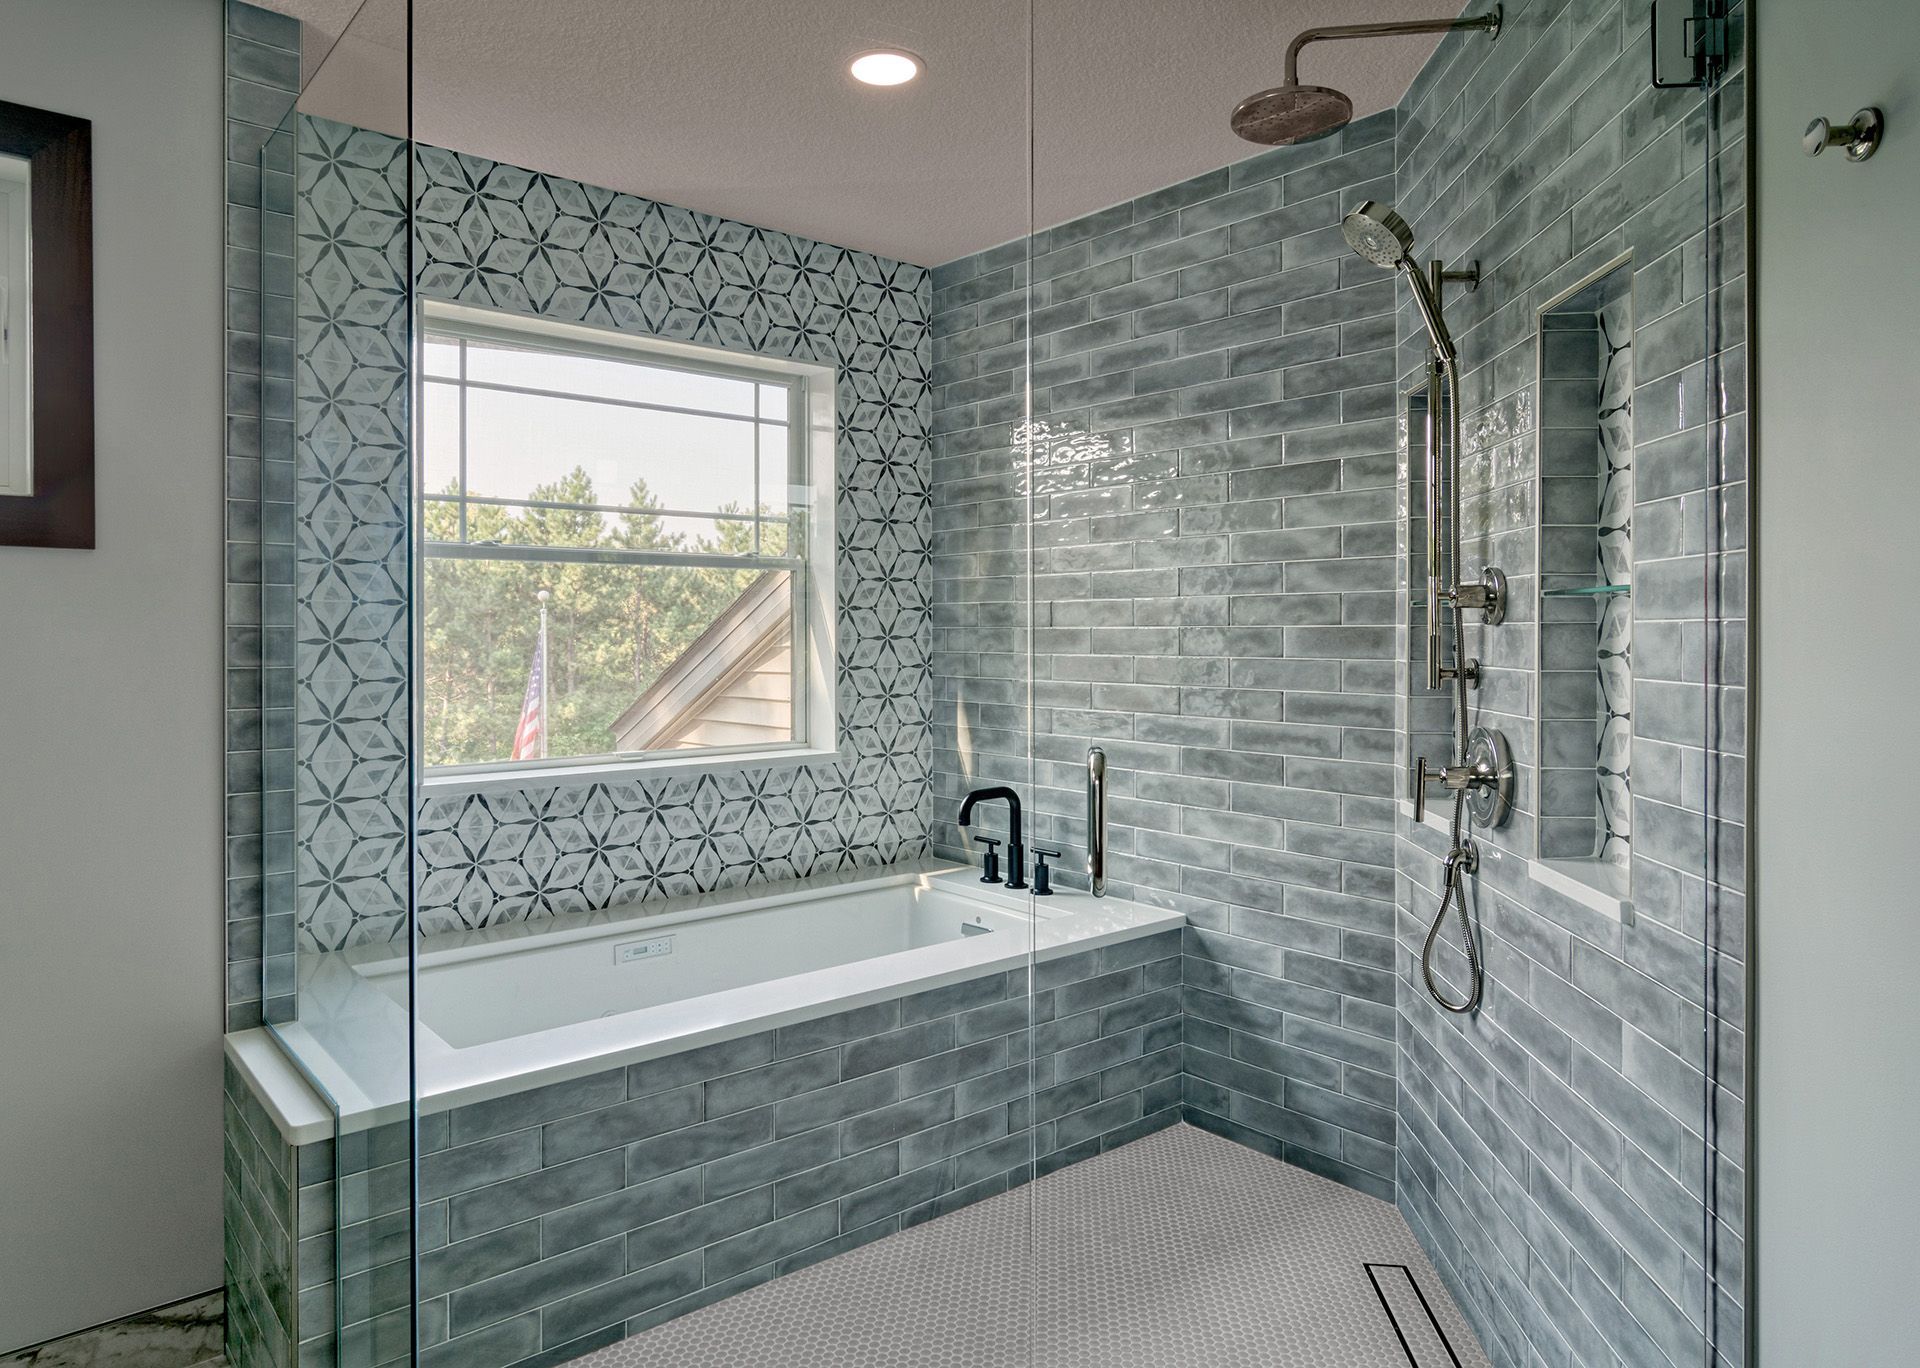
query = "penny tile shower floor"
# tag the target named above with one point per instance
(1179, 1249)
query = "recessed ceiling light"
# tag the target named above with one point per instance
(885, 67)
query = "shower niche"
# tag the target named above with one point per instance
(1585, 559)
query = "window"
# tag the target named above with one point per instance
(625, 548)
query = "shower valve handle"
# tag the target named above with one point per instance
(1453, 778)
(1488, 597)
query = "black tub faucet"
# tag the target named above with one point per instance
(1016, 851)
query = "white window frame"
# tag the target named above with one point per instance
(813, 487)
(16, 322)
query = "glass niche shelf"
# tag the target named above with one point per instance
(1587, 591)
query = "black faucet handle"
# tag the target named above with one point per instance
(989, 859)
(1042, 876)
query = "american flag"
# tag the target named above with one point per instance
(530, 741)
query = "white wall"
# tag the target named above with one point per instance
(1838, 810)
(110, 696)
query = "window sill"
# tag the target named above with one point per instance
(625, 771)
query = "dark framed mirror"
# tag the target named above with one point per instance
(46, 328)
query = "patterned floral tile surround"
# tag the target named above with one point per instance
(506, 238)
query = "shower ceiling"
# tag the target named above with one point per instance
(745, 109)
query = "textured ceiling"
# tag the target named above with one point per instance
(743, 107)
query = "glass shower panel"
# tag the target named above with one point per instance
(1233, 410)
(721, 613)
(335, 324)
(1723, 786)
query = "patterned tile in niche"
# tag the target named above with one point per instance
(1615, 647)
(1179, 1249)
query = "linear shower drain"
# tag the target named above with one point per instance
(1411, 1315)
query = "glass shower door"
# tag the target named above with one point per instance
(336, 692)
(1229, 558)
(698, 708)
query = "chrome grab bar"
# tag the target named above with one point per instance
(1097, 821)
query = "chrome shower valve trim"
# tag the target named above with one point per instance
(1485, 777)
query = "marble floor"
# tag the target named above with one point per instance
(188, 1334)
(1180, 1249)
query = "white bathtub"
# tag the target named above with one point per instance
(485, 990)
(509, 1008)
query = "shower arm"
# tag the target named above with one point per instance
(1489, 21)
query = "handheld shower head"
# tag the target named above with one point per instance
(1378, 234)
(1383, 237)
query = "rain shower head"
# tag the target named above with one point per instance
(1291, 112)
(1378, 234)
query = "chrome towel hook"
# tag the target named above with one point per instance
(1861, 138)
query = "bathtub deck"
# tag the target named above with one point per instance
(1178, 1249)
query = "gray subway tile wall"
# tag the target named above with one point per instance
(563, 1217)
(1210, 518)
(259, 1222)
(262, 76)
(1555, 1149)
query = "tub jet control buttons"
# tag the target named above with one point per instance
(630, 951)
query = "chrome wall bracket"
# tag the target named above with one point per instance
(1440, 277)
(1489, 596)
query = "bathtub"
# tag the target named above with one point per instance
(512, 1008)
(633, 1113)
